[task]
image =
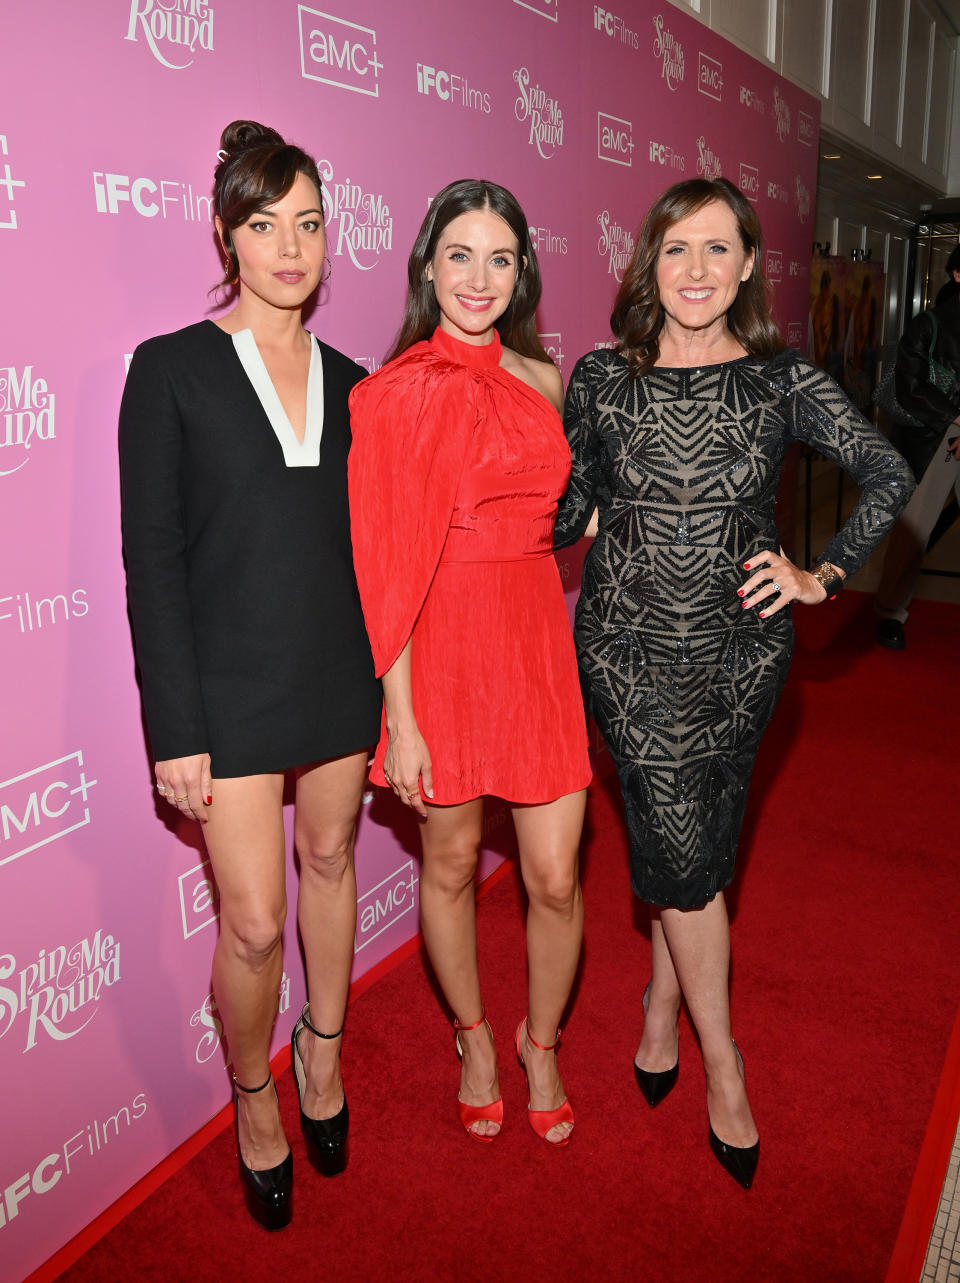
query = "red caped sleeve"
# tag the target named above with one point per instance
(412, 424)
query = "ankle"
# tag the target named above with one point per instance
(537, 1045)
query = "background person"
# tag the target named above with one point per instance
(940, 411)
(249, 637)
(682, 630)
(457, 464)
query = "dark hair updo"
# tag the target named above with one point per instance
(517, 326)
(638, 314)
(257, 168)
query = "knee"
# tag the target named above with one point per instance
(452, 868)
(554, 887)
(255, 931)
(327, 856)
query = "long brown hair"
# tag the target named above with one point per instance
(257, 168)
(638, 315)
(517, 326)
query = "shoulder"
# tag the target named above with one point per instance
(947, 314)
(542, 376)
(596, 368)
(405, 377)
(339, 367)
(920, 327)
(192, 342)
(600, 364)
(790, 371)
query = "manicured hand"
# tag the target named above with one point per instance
(775, 582)
(186, 783)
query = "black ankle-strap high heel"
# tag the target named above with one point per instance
(268, 1193)
(326, 1138)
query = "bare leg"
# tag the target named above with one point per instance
(244, 837)
(699, 943)
(658, 1045)
(451, 843)
(328, 797)
(549, 842)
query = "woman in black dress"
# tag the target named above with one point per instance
(249, 637)
(682, 633)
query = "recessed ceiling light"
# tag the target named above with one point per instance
(834, 155)
(872, 176)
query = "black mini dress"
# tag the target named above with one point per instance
(247, 625)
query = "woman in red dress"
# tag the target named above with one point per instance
(457, 463)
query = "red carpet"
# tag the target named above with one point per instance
(845, 988)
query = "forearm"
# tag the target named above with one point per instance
(398, 693)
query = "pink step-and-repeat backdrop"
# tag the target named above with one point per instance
(110, 1048)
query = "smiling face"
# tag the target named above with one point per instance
(474, 271)
(280, 248)
(701, 265)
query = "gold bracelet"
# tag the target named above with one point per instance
(829, 578)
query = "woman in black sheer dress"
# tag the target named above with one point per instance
(682, 634)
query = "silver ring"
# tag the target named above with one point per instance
(775, 586)
(161, 790)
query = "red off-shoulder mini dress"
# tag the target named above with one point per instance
(455, 472)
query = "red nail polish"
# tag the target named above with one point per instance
(741, 591)
(746, 565)
(209, 801)
(745, 605)
(762, 614)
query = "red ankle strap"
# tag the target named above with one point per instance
(476, 1024)
(552, 1047)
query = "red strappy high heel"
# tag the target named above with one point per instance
(541, 1120)
(470, 1114)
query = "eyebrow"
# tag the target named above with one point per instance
(457, 245)
(299, 214)
(708, 240)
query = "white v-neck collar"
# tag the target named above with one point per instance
(296, 454)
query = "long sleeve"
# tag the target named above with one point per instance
(412, 425)
(154, 546)
(587, 485)
(915, 392)
(821, 416)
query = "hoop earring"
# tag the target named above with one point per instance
(325, 276)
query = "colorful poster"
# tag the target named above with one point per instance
(826, 322)
(863, 312)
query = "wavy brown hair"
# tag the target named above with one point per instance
(517, 326)
(257, 168)
(638, 315)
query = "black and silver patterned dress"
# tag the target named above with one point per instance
(683, 465)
